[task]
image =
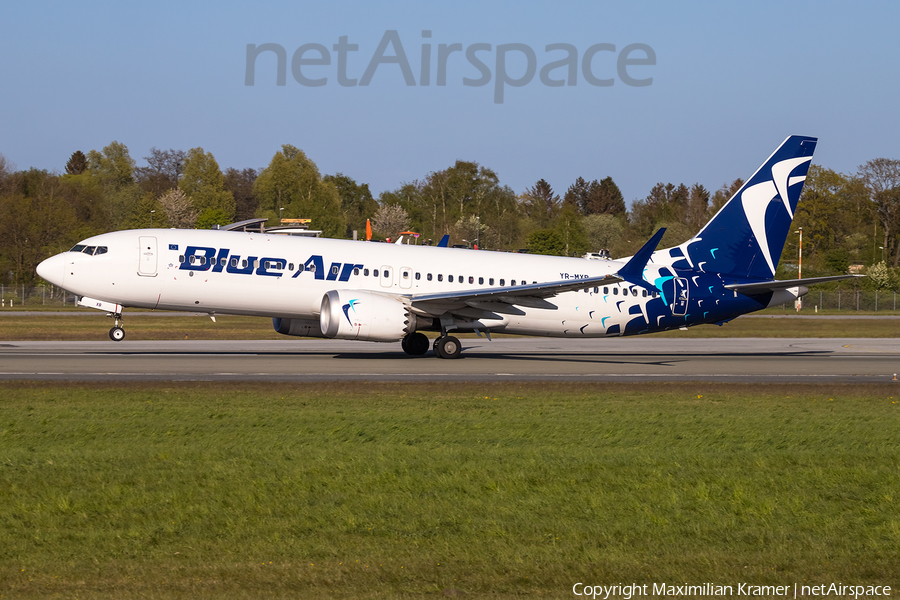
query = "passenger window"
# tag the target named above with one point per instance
(481, 281)
(645, 293)
(192, 259)
(405, 274)
(502, 282)
(615, 291)
(374, 272)
(312, 268)
(256, 264)
(300, 268)
(491, 281)
(440, 276)
(428, 277)
(471, 279)
(366, 272)
(181, 258)
(243, 263)
(334, 270)
(606, 290)
(355, 271)
(512, 282)
(386, 273)
(450, 278)
(233, 262)
(418, 276)
(462, 279)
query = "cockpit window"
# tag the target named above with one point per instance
(89, 250)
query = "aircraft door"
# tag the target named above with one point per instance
(680, 299)
(387, 277)
(147, 256)
(406, 277)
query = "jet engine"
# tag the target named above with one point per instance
(359, 315)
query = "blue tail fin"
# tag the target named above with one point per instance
(747, 235)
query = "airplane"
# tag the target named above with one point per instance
(355, 290)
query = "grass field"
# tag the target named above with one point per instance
(478, 490)
(227, 327)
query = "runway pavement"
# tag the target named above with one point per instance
(519, 359)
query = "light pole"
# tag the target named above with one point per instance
(280, 217)
(151, 218)
(799, 302)
(882, 253)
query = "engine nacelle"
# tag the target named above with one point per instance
(358, 315)
(301, 327)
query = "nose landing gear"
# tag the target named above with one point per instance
(117, 333)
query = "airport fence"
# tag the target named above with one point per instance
(848, 301)
(23, 297)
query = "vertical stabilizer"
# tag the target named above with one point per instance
(747, 235)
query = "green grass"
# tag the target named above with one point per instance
(228, 327)
(394, 490)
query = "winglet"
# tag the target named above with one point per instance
(445, 241)
(633, 271)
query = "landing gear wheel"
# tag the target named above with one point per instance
(117, 334)
(447, 347)
(415, 344)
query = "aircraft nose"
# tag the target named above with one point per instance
(52, 269)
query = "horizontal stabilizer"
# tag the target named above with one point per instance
(761, 287)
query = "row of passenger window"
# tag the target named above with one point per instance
(634, 292)
(440, 277)
(90, 250)
(280, 265)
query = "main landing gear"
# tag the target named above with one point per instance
(446, 346)
(117, 333)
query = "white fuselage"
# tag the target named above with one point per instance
(144, 269)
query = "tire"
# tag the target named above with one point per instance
(448, 347)
(415, 344)
(117, 334)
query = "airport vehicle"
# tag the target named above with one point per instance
(390, 292)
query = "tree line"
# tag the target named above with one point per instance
(847, 219)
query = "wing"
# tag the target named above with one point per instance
(483, 302)
(503, 299)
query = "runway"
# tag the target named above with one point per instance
(640, 359)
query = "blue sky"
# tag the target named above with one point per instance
(731, 81)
